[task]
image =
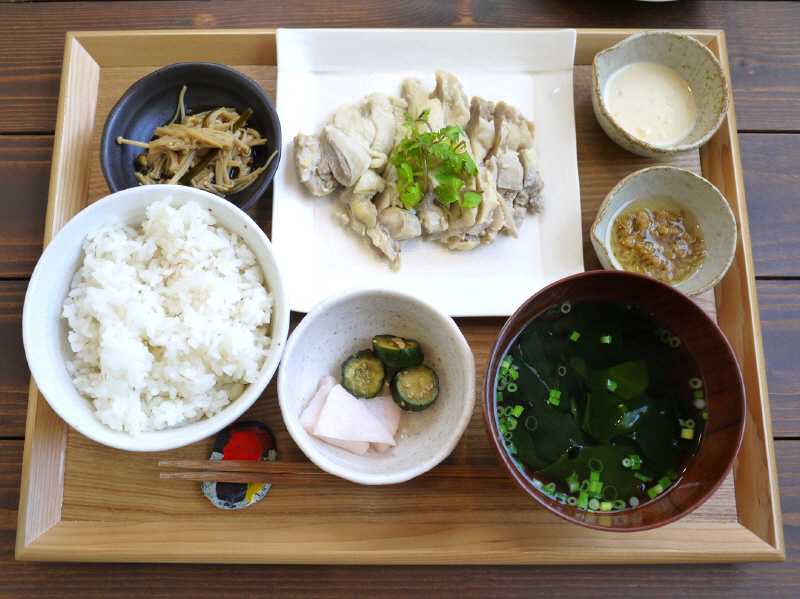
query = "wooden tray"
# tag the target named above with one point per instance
(82, 501)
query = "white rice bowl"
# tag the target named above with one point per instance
(175, 362)
(167, 322)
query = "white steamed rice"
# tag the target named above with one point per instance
(168, 322)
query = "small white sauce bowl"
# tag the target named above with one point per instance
(700, 197)
(44, 331)
(341, 326)
(691, 59)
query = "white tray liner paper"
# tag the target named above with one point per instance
(321, 69)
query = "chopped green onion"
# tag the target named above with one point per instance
(619, 504)
(531, 423)
(674, 341)
(575, 336)
(507, 436)
(511, 423)
(605, 339)
(633, 501)
(698, 394)
(537, 483)
(584, 487)
(583, 503)
(595, 465)
(626, 462)
(690, 423)
(594, 504)
(636, 462)
(605, 506)
(642, 477)
(696, 383)
(561, 497)
(609, 493)
(499, 412)
(705, 415)
(659, 489)
(566, 307)
(550, 489)
(573, 482)
(611, 385)
(594, 476)
(503, 429)
(665, 482)
(500, 397)
(508, 410)
(583, 494)
(687, 433)
(512, 387)
(517, 411)
(572, 501)
(700, 404)
(511, 449)
(562, 371)
(595, 486)
(665, 336)
(513, 374)
(652, 492)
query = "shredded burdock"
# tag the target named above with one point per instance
(210, 150)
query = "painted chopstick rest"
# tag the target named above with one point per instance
(248, 440)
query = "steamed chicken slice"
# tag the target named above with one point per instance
(318, 179)
(448, 90)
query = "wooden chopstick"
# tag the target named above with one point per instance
(300, 473)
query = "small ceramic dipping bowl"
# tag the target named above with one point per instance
(151, 103)
(701, 474)
(691, 60)
(701, 198)
(345, 324)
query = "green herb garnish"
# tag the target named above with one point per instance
(441, 154)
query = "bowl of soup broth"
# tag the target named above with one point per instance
(614, 401)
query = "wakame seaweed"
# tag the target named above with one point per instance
(600, 404)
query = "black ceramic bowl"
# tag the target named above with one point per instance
(151, 102)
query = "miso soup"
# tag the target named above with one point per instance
(600, 404)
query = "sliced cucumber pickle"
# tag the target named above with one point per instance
(396, 351)
(363, 374)
(415, 388)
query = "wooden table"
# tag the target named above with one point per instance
(764, 50)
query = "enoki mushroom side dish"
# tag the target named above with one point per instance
(211, 150)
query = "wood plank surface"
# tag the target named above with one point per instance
(15, 377)
(772, 179)
(23, 206)
(36, 580)
(779, 302)
(764, 48)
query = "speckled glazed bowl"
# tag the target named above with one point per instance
(344, 324)
(705, 201)
(691, 59)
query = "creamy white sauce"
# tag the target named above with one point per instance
(652, 102)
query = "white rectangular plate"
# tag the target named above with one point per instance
(319, 70)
